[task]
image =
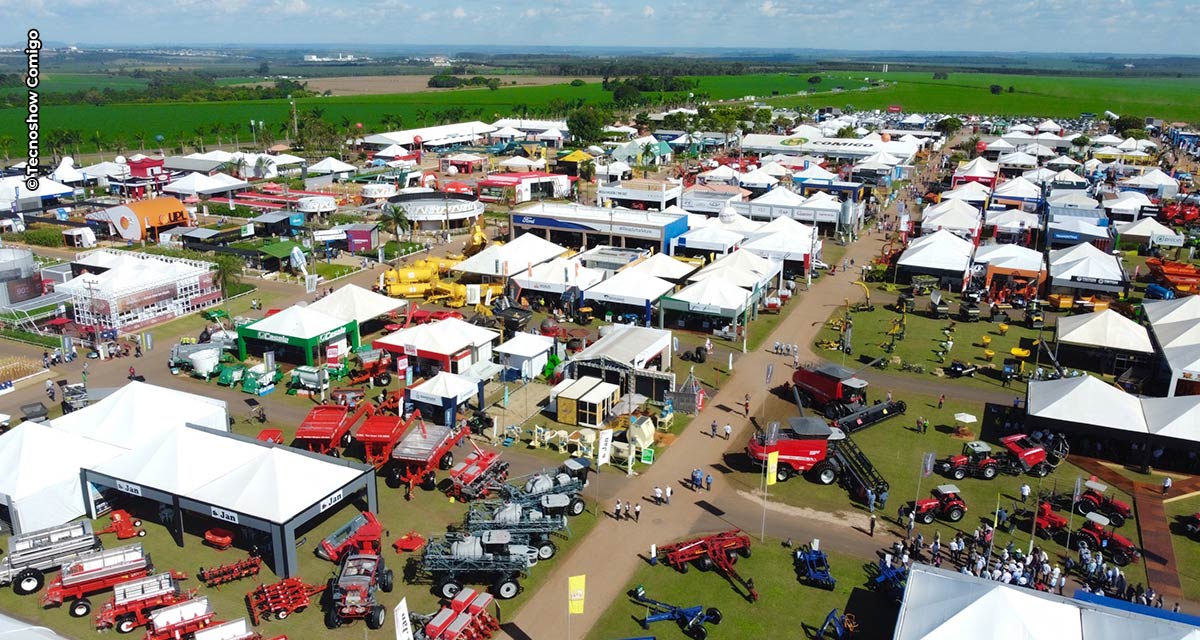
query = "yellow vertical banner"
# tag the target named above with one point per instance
(575, 590)
(772, 467)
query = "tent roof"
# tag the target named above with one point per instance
(1151, 179)
(522, 162)
(949, 206)
(1017, 159)
(978, 168)
(1107, 329)
(304, 323)
(25, 450)
(1037, 149)
(139, 412)
(632, 287)
(715, 296)
(1063, 161)
(1075, 199)
(822, 201)
(781, 197)
(661, 265)
(1040, 175)
(575, 156)
(552, 134)
(510, 258)
(392, 151)
(711, 238)
(448, 385)
(731, 220)
(775, 169)
(1049, 125)
(1086, 400)
(1177, 417)
(953, 219)
(1018, 187)
(1081, 227)
(507, 132)
(969, 191)
(1021, 127)
(814, 172)
(448, 336)
(939, 251)
(526, 345)
(1010, 256)
(352, 302)
(1084, 260)
(180, 460)
(1105, 139)
(1011, 219)
(1066, 175)
(331, 165)
(1144, 228)
(558, 275)
(200, 184)
(757, 177)
(780, 245)
(723, 172)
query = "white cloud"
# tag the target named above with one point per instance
(648, 11)
(769, 8)
(291, 7)
(602, 9)
(459, 13)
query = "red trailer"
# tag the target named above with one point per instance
(363, 534)
(477, 475)
(134, 601)
(93, 572)
(327, 427)
(379, 435)
(719, 550)
(466, 618)
(281, 599)
(420, 453)
(180, 620)
(233, 630)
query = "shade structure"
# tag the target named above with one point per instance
(507, 133)
(331, 165)
(300, 328)
(968, 191)
(722, 174)
(1041, 175)
(445, 338)
(392, 151)
(1086, 400)
(941, 252)
(757, 179)
(508, 259)
(139, 412)
(1105, 329)
(780, 197)
(775, 169)
(200, 184)
(1177, 418)
(953, 215)
(710, 238)
(1086, 267)
(711, 296)
(1062, 161)
(444, 386)
(1011, 220)
(352, 302)
(819, 206)
(1068, 177)
(978, 168)
(522, 163)
(630, 287)
(1144, 228)
(660, 265)
(1078, 230)
(813, 172)
(1152, 179)
(1001, 145)
(965, 418)
(731, 220)
(745, 269)
(558, 275)
(1017, 159)
(1017, 189)
(1012, 260)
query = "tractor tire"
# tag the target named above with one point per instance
(901, 406)
(806, 399)
(137, 523)
(704, 563)
(1116, 519)
(989, 472)
(383, 379)
(376, 617)
(125, 624)
(576, 506)
(745, 551)
(392, 479)
(824, 473)
(506, 588)
(925, 518)
(714, 615)
(958, 473)
(1040, 470)
(731, 556)
(697, 632)
(282, 614)
(28, 581)
(347, 438)
(955, 514)
(1084, 507)
(447, 461)
(683, 568)
(832, 412)
(448, 588)
(1120, 558)
(142, 533)
(546, 550)
(429, 482)
(783, 473)
(333, 619)
(387, 580)
(81, 608)
(334, 453)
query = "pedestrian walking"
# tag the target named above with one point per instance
(795, 361)
(628, 510)
(728, 431)
(746, 405)
(132, 373)
(1024, 493)
(883, 496)
(668, 495)
(871, 526)
(714, 429)
(617, 511)
(708, 482)
(870, 500)
(912, 523)
(941, 400)
(658, 494)
(637, 513)
(1166, 485)
(50, 390)
(889, 396)
(1016, 401)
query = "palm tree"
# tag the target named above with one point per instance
(216, 129)
(73, 137)
(198, 138)
(118, 145)
(141, 136)
(233, 129)
(396, 217)
(6, 141)
(97, 140)
(227, 268)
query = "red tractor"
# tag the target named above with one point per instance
(832, 388)
(1095, 500)
(975, 460)
(1048, 523)
(946, 504)
(1021, 455)
(352, 592)
(1094, 535)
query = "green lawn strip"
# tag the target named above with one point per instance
(786, 608)
(331, 270)
(1187, 547)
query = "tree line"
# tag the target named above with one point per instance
(186, 86)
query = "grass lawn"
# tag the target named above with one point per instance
(1187, 549)
(393, 249)
(786, 608)
(331, 270)
(192, 324)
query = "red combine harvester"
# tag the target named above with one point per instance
(280, 600)
(465, 618)
(363, 534)
(1021, 455)
(89, 573)
(478, 475)
(1094, 535)
(946, 503)
(134, 601)
(379, 435)
(181, 620)
(719, 550)
(1095, 500)
(327, 427)
(420, 453)
(832, 388)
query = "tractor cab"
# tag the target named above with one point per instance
(798, 428)
(946, 503)
(1096, 500)
(1034, 318)
(976, 452)
(946, 493)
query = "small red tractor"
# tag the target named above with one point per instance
(1021, 455)
(1048, 523)
(363, 534)
(946, 503)
(1094, 535)
(1095, 500)
(327, 427)
(352, 592)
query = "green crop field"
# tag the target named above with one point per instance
(68, 82)
(1168, 98)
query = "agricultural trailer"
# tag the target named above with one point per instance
(31, 554)
(133, 601)
(490, 558)
(691, 620)
(94, 572)
(719, 550)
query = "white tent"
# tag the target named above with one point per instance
(139, 412)
(38, 494)
(978, 168)
(814, 172)
(527, 353)
(710, 238)
(1152, 179)
(819, 205)
(444, 385)
(882, 157)
(1177, 417)
(1067, 176)
(216, 155)
(1107, 329)
(550, 134)
(775, 169)
(507, 133)
(914, 119)
(106, 169)
(509, 259)
(1022, 127)
(14, 629)
(304, 323)
(1019, 188)
(631, 287)
(522, 163)
(1086, 400)
(1041, 175)
(1017, 159)
(446, 337)
(781, 246)
(66, 172)
(558, 275)
(1071, 229)
(1144, 228)
(968, 191)
(954, 215)
(757, 179)
(941, 252)
(616, 168)
(1062, 161)
(711, 296)
(1049, 125)
(331, 165)
(1019, 137)
(1010, 257)
(1083, 266)
(1011, 220)
(1038, 149)
(179, 460)
(731, 220)
(742, 268)
(780, 197)
(352, 302)
(722, 174)
(1106, 140)
(661, 265)
(392, 151)
(1049, 139)
(1128, 144)
(199, 184)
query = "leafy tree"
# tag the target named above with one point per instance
(229, 269)
(948, 126)
(627, 95)
(642, 120)
(1082, 142)
(941, 75)
(6, 141)
(397, 218)
(845, 132)
(814, 79)
(1012, 89)
(577, 83)
(587, 124)
(996, 89)
(264, 68)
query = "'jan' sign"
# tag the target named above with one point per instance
(331, 500)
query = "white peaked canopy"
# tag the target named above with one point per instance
(1086, 267)
(447, 337)
(1108, 151)
(1152, 179)
(908, 137)
(392, 151)
(1128, 144)
(180, 460)
(522, 163)
(1128, 203)
(1107, 329)
(954, 215)
(1086, 400)
(781, 245)
(304, 323)
(1062, 161)
(508, 259)
(1001, 145)
(1144, 228)
(1022, 127)
(969, 191)
(915, 118)
(661, 265)
(1019, 137)
(949, 206)
(1106, 140)
(1067, 176)
(978, 168)
(710, 238)
(36, 493)
(507, 133)
(216, 155)
(861, 131)
(1018, 188)
(723, 173)
(1146, 144)
(780, 197)
(1041, 175)
(814, 172)
(742, 268)
(616, 168)
(821, 202)
(1049, 125)
(139, 412)
(775, 169)
(107, 169)
(1049, 139)
(558, 275)
(631, 287)
(550, 134)
(731, 220)
(1039, 150)
(352, 302)
(940, 251)
(1012, 220)
(66, 172)
(1177, 417)
(199, 184)
(712, 296)
(757, 179)
(1078, 229)
(883, 157)
(872, 136)
(331, 165)
(1011, 257)
(806, 131)
(1017, 159)
(286, 159)
(1074, 199)
(445, 385)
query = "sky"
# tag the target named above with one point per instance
(1118, 26)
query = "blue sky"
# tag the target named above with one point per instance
(1121, 26)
